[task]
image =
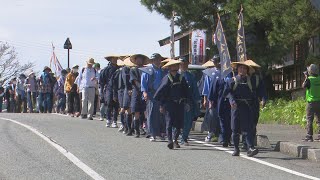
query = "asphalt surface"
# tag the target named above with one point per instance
(24, 155)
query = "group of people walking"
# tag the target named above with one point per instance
(156, 97)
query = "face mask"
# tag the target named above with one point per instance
(75, 70)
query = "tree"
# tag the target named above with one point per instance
(272, 26)
(10, 66)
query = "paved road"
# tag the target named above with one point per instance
(111, 155)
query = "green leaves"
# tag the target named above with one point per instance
(271, 26)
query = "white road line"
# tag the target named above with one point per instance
(63, 151)
(258, 160)
(255, 160)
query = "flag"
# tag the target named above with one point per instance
(221, 43)
(241, 42)
(198, 44)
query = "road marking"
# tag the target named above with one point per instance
(63, 151)
(251, 158)
(257, 160)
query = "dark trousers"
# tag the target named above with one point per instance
(32, 99)
(21, 101)
(61, 102)
(112, 110)
(45, 102)
(313, 109)
(174, 117)
(225, 121)
(96, 97)
(242, 121)
(73, 103)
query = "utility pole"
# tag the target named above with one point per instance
(172, 36)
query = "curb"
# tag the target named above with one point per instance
(298, 151)
(289, 148)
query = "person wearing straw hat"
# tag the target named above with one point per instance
(138, 105)
(124, 98)
(45, 89)
(195, 98)
(220, 102)
(108, 92)
(150, 81)
(242, 93)
(261, 97)
(73, 97)
(31, 84)
(211, 120)
(173, 95)
(87, 81)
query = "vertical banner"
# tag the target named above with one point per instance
(198, 45)
(241, 41)
(220, 41)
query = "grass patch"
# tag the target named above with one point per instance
(281, 111)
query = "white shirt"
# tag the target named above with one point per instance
(86, 76)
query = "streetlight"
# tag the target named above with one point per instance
(68, 45)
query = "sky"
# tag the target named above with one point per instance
(96, 28)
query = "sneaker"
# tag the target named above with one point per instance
(72, 115)
(108, 123)
(163, 138)
(114, 125)
(252, 152)
(142, 132)
(308, 139)
(236, 152)
(90, 118)
(77, 114)
(121, 129)
(225, 144)
(101, 119)
(207, 139)
(176, 144)
(170, 145)
(84, 116)
(152, 139)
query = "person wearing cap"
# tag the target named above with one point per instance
(31, 84)
(261, 97)
(96, 66)
(211, 120)
(108, 92)
(195, 98)
(45, 89)
(150, 81)
(87, 83)
(220, 102)
(173, 94)
(242, 93)
(58, 90)
(312, 86)
(71, 88)
(138, 105)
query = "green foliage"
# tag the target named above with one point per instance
(271, 26)
(282, 111)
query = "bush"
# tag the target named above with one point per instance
(283, 111)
